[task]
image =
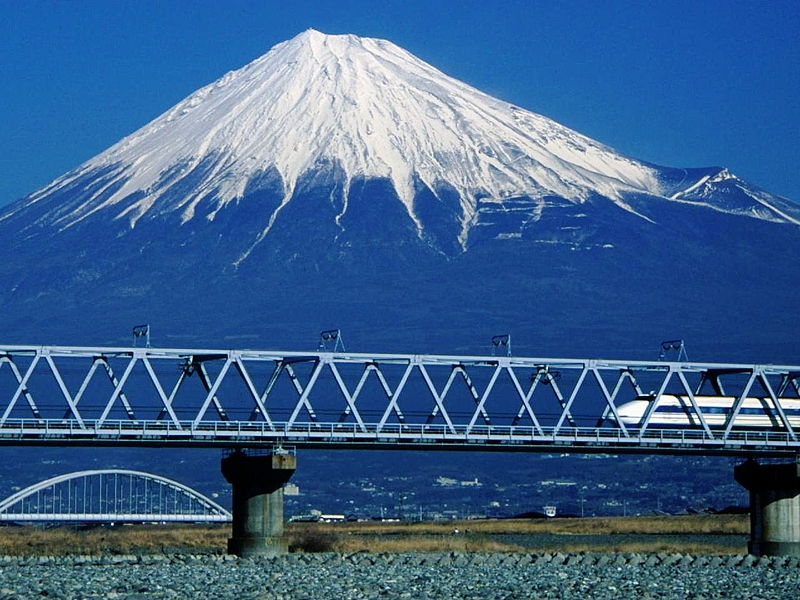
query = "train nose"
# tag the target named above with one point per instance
(630, 413)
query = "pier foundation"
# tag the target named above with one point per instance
(257, 482)
(774, 506)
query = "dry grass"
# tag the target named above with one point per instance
(480, 536)
(142, 539)
(666, 546)
(395, 544)
(474, 536)
(663, 525)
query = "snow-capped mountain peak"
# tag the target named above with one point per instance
(375, 111)
(374, 108)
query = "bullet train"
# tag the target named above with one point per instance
(672, 408)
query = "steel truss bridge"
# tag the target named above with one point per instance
(111, 496)
(62, 395)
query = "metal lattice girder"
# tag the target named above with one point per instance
(56, 394)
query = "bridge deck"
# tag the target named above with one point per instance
(397, 437)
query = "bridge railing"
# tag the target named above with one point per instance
(243, 433)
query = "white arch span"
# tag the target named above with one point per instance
(214, 512)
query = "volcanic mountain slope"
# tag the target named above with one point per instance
(341, 179)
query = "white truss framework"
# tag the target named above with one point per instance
(145, 396)
(111, 496)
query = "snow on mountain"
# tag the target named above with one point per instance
(742, 198)
(375, 111)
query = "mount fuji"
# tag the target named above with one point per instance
(340, 181)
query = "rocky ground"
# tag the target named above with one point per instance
(412, 576)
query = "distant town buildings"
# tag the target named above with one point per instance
(426, 491)
(450, 482)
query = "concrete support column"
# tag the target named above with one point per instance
(257, 482)
(774, 506)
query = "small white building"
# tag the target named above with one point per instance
(329, 518)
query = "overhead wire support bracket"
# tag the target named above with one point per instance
(331, 336)
(141, 331)
(503, 339)
(678, 346)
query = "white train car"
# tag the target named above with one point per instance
(672, 411)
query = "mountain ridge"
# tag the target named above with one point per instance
(372, 110)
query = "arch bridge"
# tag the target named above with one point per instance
(111, 495)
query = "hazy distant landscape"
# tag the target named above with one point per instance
(404, 484)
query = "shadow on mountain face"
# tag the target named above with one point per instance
(588, 280)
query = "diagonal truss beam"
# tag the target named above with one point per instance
(84, 384)
(610, 398)
(212, 393)
(525, 398)
(479, 402)
(550, 380)
(117, 390)
(392, 396)
(624, 375)
(18, 376)
(167, 401)
(350, 398)
(70, 402)
(789, 380)
(566, 410)
(480, 410)
(260, 407)
(22, 388)
(114, 382)
(205, 379)
(656, 401)
(304, 392)
(776, 404)
(695, 406)
(438, 398)
(737, 405)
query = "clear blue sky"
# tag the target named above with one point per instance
(679, 83)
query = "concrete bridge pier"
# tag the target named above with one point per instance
(774, 506)
(257, 482)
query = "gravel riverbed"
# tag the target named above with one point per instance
(407, 576)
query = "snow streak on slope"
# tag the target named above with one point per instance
(370, 106)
